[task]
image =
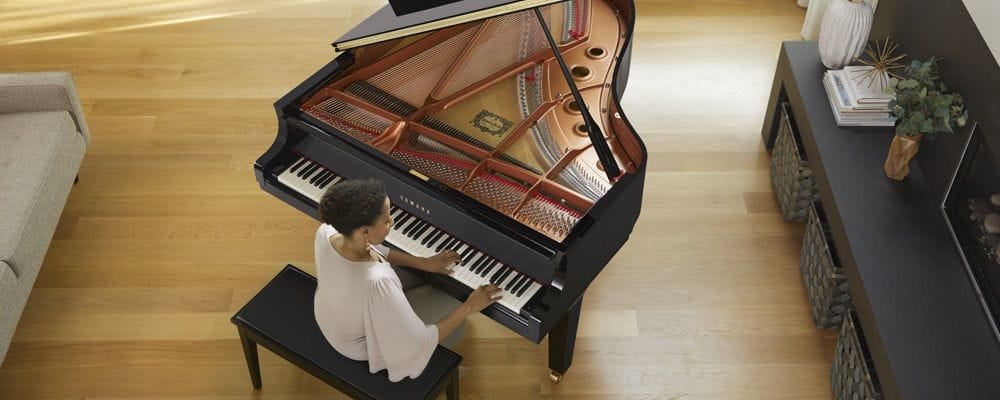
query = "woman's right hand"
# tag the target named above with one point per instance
(482, 297)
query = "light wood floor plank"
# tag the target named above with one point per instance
(168, 234)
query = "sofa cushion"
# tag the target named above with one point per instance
(40, 153)
(7, 276)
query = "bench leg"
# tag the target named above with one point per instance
(250, 351)
(452, 390)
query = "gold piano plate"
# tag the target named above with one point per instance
(484, 108)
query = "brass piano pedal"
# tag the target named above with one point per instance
(555, 377)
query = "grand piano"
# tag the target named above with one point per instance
(498, 131)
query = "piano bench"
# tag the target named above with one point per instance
(280, 317)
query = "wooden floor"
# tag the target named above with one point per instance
(167, 233)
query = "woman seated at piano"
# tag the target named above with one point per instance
(366, 307)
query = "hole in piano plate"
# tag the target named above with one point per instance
(580, 73)
(572, 107)
(580, 130)
(596, 52)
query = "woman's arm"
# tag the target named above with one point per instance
(477, 301)
(438, 263)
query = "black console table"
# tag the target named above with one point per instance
(927, 332)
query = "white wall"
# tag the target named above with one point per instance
(986, 14)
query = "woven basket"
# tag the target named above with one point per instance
(852, 376)
(790, 172)
(824, 279)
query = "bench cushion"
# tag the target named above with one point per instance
(282, 312)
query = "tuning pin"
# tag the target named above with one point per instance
(992, 223)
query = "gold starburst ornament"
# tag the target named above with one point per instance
(880, 57)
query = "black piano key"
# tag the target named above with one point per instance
(524, 288)
(516, 284)
(323, 183)
(441, 242)
(506, 274)
(297, 165)
(435, 239)
(308, 170)
(315, 172)
(426, 240)
(420, 232)
(329, 178)
(409, 229)
(320, 176)
(506, 278)
(489, 268)
(303, 168)
(520, 282)
(425, 237)
(446, 244)
(510, 283)
(466, 254)
(496, 277)
(332, 179)
(413, 225)
(418, 228)
(421, 237)
(475, 256)
(482, 263)
(402, 220)
(452, 244)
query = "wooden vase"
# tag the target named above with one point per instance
(901, 151)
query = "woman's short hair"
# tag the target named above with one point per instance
(350, 205)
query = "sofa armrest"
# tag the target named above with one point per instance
(42, 91)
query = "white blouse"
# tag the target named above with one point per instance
(362, 311)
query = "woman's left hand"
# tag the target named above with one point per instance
(442, 262)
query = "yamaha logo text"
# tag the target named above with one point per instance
(414, 204)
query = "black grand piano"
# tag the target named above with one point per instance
(489, 143)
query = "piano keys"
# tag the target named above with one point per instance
(483, 150)
(420, 238)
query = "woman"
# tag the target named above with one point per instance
(360, 303)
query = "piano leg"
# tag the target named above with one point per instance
(562, 339)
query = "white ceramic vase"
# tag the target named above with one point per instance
(844, 32)
(814, 18)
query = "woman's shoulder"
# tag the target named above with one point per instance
(325, 230)
(382, 282)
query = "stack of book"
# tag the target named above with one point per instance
(857, 98)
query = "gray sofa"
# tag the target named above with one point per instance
(42, 140)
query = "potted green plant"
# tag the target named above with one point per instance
(923, 107)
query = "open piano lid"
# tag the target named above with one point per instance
(384, 24)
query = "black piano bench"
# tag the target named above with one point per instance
(280, 317)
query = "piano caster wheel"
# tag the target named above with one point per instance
(555, 377)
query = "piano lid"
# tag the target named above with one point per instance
(384, 24)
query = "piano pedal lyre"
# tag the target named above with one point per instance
(555, 377)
